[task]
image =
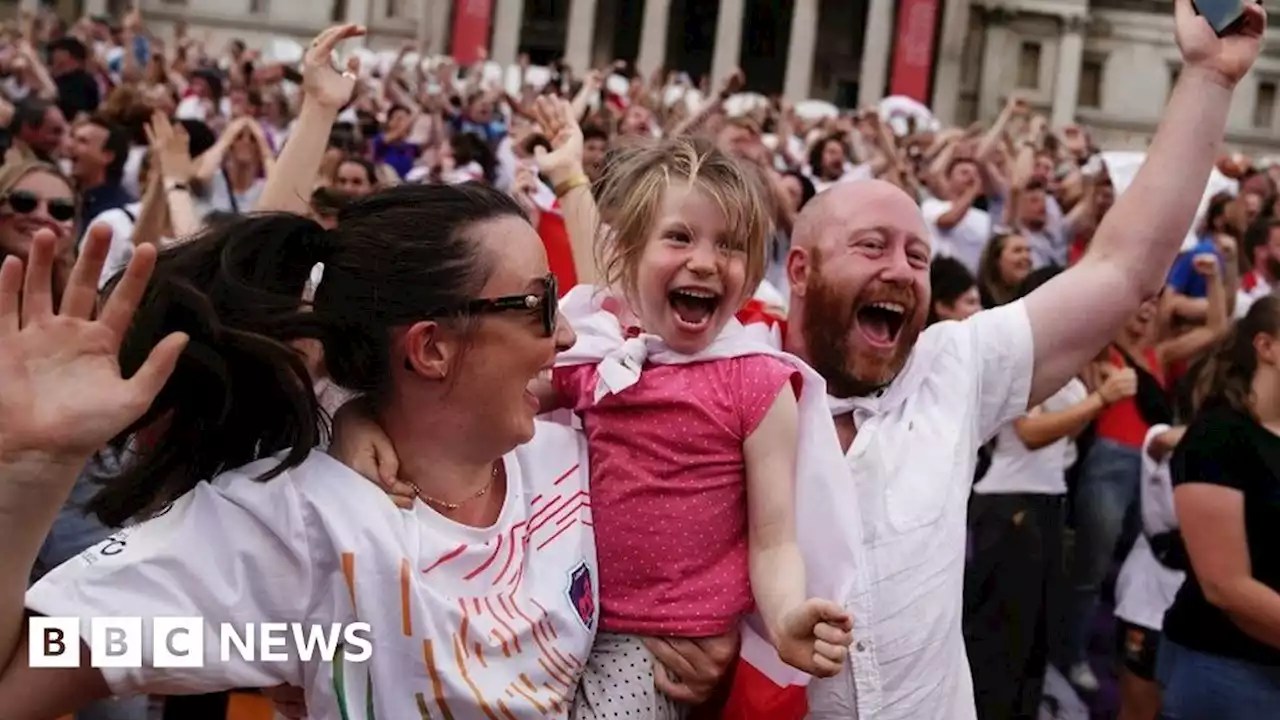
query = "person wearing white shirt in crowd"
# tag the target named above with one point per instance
(959, 229)
(830, 164)
(912, 408)
(1149, 578)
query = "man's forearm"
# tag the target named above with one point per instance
(1146, 228)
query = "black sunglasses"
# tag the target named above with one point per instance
(25, 202)
(545, 303)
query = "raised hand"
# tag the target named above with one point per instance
(171, 146)
(63, 395)
(1206, 264)
(1227, 58)
(321, 81)
(1118, 384)
(564, 162)
(815, 637)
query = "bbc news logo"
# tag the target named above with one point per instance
(178, 642)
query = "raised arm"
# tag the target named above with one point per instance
(68, 362)
(325, 92)
(1078, 312)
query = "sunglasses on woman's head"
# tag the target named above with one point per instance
(25, 202)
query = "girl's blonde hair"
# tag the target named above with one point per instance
(630, 194)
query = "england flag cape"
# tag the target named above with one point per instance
(764, 686)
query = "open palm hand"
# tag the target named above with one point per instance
(63, 394)
(321, 81)
(1228, 57)
(555, 115)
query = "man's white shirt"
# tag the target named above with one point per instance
(912, 464)
(462, 619)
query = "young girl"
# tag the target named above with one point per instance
(694, 430)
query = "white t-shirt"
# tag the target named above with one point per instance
(460, 616)
(852, 173)
(966, 240)
(1015, 469)
(912, 464)
(121, 222)
(1145, 588)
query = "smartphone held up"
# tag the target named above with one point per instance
(1224, 16)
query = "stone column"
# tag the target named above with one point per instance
(581, 33)
(1066, 81)
(653, 36)
(433, 22)
(995, 61)
(804, 41)
(947, 77)
(727, 56)
(877, 41)
(508, 16)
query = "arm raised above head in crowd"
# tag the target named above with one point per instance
(325, 92)
(1079, 311)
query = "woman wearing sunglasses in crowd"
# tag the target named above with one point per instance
(482, 597)
(35, 196)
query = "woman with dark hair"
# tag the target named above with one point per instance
(1015, 575)
(355, 177)
(955, 291)
(1220, 654)
(1005, 264)
(435, 304)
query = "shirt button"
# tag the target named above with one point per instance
(861, 646)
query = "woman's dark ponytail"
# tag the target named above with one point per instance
(239, 392)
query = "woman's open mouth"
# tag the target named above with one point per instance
(539, 386)
(880, 323)
(693, 308)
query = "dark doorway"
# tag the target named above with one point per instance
(627, 22)
(766, 38)
(543, 32)
(691, 36)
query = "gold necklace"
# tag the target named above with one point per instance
(450, 507)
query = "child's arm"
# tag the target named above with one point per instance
(810, 635)
(360, 444)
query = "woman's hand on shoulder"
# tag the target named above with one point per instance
(690, 670)
(360, 444)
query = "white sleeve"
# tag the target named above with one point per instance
(933, 209)
(236, 552)
(1003, 352)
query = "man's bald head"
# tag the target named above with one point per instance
(844, 204)
(859, 272)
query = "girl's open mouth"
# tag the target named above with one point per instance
(693, 307)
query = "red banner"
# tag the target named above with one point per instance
(913, 49)
(471, 20)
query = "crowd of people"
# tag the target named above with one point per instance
(323, 342)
